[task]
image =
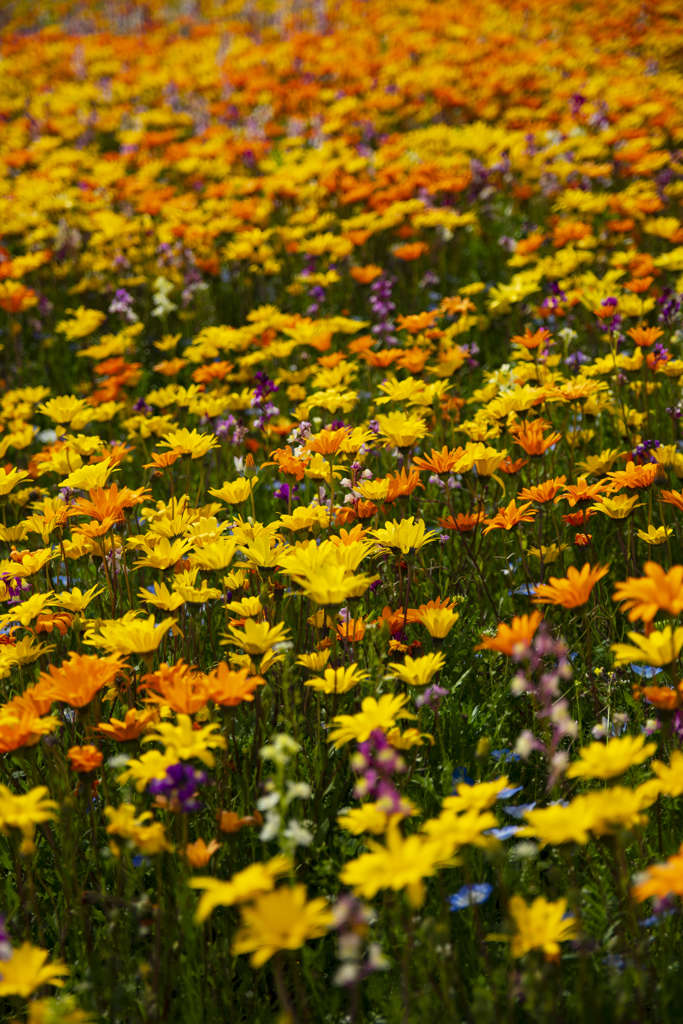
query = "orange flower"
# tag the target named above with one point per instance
(645, 336)
(582, 540)
(352, 630)
(46, 623)
(199, 854)
(135, 723)
(531, 341)
(573, 590)
(214, 371)
(509, 517)
(440, 462)
(78, 680)
(661, 880)
(109, 503)
(84, 759)
(367, 274)
(511, 466)
(162, 461)
(665, 698)
(411, 250)
(635, 477)
(457, 304)
(544, 492)
(327, 442)
(396, 621)
(180, 686)
(463, 523)
(583, 492)
(638, 285)
(15, 297)
(674, 498)
(520, 632)
(230, 821)
(402, 484)
(656, 591)
(288, 464)
(416, 322)
(578, 518)
(229, 688)
(385, 357)
(529, 436)
(24, 730)
(35, 699)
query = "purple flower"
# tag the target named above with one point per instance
(6, 950)
(432, 697)
(180, 783)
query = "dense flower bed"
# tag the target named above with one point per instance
(341, 487)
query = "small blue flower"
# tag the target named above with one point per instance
(507, 794)
(470, 896)
(505, 755)
(460, 774)
(503, 833)
(520, 810)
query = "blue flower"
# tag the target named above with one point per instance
(470, 896)
(506, 794)
(504, 755)
(503, 833)
(520, 810)
(460, 774)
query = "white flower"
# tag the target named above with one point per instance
(297, 790)
(297, 834)
(268, 802)
(271, 827)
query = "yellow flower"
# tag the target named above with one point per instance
(236, 492)
(557, 825)
(24, 811)
(408, 536)
(338, 680)
(217, 555)
(606, 761)
(185, 742)
(83, 322)
(243, 887)
(76, 601)
(258, 637)
(64, 408)
(374, 714)
(189, 442)
(438, 621)
(9, 480)
(617, 508)
(87, 478)
(401, 864)
(161, 597)
(281, 919)
(418, 671)
(670, 776)
(130, 636)
(164, 553)
(451, 831)
(540, 925)
(151, 765)
(402, 429)
(28, 610)
(660, 648)
(655, 535)
(481, 796)
(368, 818)
(333, 585)
(27, 970)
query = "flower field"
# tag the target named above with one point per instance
(341, 481)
